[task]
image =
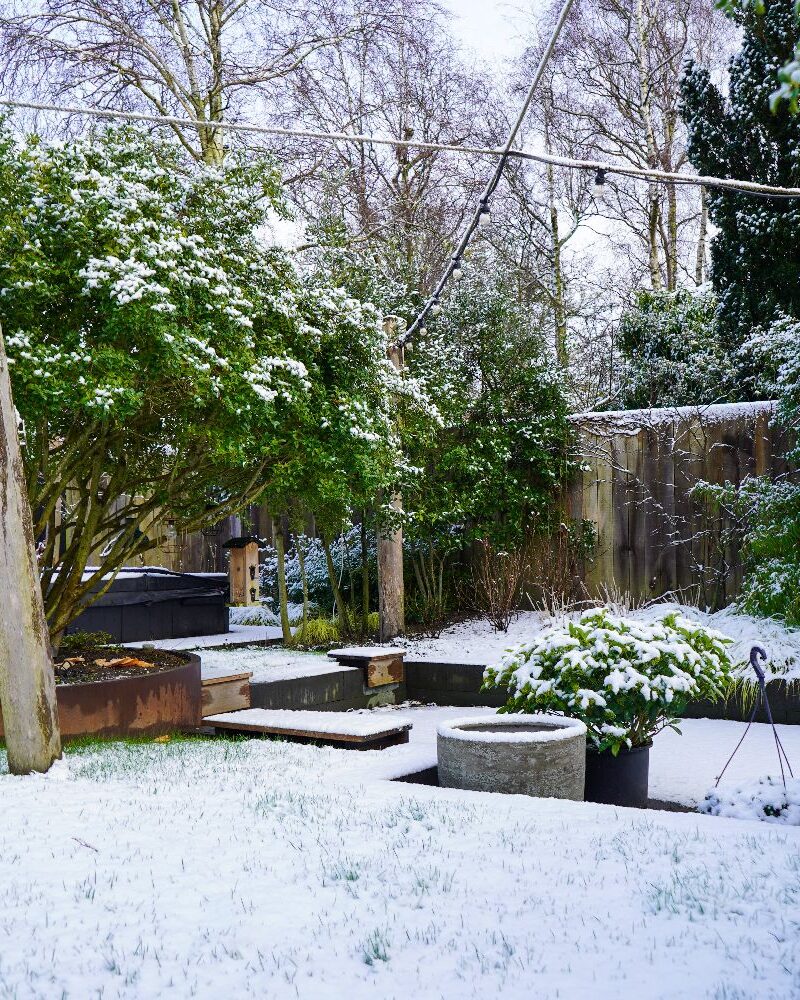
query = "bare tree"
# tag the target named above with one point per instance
(403, 78)
(617, 86)
(210, 60)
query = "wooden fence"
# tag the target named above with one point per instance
(654, 536)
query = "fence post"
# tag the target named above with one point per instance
(391, 591)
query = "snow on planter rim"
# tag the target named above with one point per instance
(560, 728)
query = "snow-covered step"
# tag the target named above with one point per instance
(349, 730)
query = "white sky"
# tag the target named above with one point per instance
(492, 28)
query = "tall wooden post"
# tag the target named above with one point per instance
(391, 591)
(27, 684)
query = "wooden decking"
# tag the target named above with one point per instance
(346, 730)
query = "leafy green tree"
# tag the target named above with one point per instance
(166, 363)
(490, 469)
(755, 251)
(672, 352)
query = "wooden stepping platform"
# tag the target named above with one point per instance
(347, 730)
(225, 693)
(381, 665)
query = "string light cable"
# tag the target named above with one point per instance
(482, 215)
(755, 188)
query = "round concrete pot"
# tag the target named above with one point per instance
(543, 755)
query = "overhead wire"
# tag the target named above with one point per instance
(600, 168)
(643, 173)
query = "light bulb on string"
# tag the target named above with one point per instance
(423, 331)
(458, 271)
(485, 216)
(600, 187)
(436, 308)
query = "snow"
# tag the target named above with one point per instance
(473, 641)
(767, 799)
(372, 652)
(476, 641)
(632, 421)
(267, 869)
(342, 723)
(557, 728)
(267, 663)
(238, 635)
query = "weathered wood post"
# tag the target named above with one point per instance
(391, 591)
(27, 684)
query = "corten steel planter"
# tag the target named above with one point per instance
(541, 755)
(152, 704)
(620, 780)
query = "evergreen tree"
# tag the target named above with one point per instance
(755, 252)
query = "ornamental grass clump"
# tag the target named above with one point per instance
(626, 679)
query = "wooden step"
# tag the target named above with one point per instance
(225, 693)
(347, 730)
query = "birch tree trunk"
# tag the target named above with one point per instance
(27, 684)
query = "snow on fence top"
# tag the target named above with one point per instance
(632, 421)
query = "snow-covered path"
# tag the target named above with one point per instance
(275, 870)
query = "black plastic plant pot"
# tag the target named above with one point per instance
(620, 780)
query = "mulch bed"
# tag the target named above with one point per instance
(106, 663)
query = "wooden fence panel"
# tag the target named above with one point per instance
(639, 467)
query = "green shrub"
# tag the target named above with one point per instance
(627, 680)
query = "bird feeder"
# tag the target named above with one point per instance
(243, 569)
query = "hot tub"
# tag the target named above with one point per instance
(541, 755)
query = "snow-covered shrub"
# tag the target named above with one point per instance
(672, 352)
(764, 799)
(346, 554)
(626, 679)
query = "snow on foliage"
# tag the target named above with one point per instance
(159, 347)
(627, 680)
(765, 799)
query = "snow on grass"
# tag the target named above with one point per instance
(270, 870)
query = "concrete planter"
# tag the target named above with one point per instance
(542, 755)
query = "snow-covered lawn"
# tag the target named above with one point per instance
(274, 870)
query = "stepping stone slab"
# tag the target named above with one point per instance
(348, 730)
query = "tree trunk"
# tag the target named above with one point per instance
(559, 304)
(364, 571)
(700, 260)
(27, 684)
(338, 600)
(391, 589)
(283, 598)
(301, 559)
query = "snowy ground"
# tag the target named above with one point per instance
(276, 870)
(477, 642)
(270, 663)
